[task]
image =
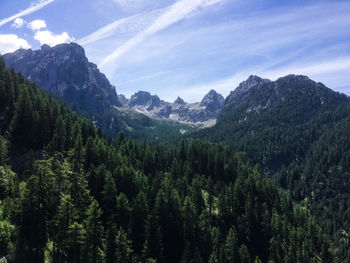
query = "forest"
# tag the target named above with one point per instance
(306, 154)
(70, 194)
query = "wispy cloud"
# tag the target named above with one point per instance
(144, 77)
(172, 15)
(314, 69)
(33, 8)
(128, 24)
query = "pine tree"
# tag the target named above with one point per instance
(3, 151)
(59, 137)
(139, 221)
(231, 246)
(22, 122)
(109, 198)
(111, 245)
(76, 243)
(94, 243)
(123, 211)
(77, 152)
(66, 216)
(123, 247)
(244, 254)
(37, 206)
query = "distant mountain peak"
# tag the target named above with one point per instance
(122, 99)
(213, 101)
(257, 94)
(144, 98)
(45, 47)
(64, 70)
(179, 101)
(252, 81)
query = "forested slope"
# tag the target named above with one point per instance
(70, 195)
(301, 140)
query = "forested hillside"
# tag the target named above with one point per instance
(301, 140)
(68, 194)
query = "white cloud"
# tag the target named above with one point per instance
(135, 23)
(172, 15)
(33, 8)
(11, 42)
(51, 39)
(37, 24)
(138, 5)
(18, 23)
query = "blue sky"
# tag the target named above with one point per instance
(187, 47)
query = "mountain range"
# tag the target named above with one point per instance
(294, 129)
(65, 71)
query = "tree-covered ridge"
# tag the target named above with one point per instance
(79, 197)
(303, 143)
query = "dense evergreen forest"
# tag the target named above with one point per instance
(68, 194)
(305, 148)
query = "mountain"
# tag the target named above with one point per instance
(298, 97)
(200, 113)
(65, 71)
(68, 194)
(297, 130)
(260, 109)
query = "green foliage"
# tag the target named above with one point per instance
(3, 151)
(86, 198)
(303, 145)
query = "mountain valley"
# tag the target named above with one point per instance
(294, 129)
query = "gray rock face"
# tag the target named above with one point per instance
(146, 100)
(213, 102)
(154, 107)
(64, 70)
(179, 101)
(122, 99)
(245, 89)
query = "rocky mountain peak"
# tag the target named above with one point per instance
(45, 47)
(252, 81)
(257, 94)
(244, 89)
(144, 98)
(64, 70)
(122, 99)
(213, 101)
(179, 101)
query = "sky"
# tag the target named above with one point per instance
(187, 47)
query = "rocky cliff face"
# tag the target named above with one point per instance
(64, 70)
(179, 110)
(213, 102)
(245, 90)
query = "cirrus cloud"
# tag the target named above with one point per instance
(31, 9)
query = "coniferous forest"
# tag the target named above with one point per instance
(69, 194)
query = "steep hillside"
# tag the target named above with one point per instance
(297, 130)
(78, 197)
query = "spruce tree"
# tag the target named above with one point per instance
(94, 242)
